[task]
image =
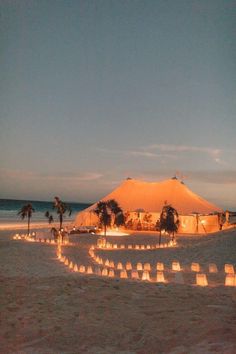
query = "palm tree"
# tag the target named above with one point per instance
(169, 221)
(49, 217)
(61, 209)
(26, 211)
(107, 211)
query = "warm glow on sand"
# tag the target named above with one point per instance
(145, 268)
(160, 277)
(113, 233)
(230, 280)
(201, 279)
(195, 267)
(146, 275)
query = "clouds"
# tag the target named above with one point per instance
(149, 154)
(172, 152)
(83, 186)
(225, 177)
(214, 152)
(204, 167)
(179, 151)
(22, 175)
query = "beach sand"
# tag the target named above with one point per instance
(46, 308)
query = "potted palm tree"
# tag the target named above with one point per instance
(107, 211)
(26, 212)
(169, 221)
(61, 209)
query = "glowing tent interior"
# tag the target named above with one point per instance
(142, 202)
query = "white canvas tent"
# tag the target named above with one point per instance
(139, 198)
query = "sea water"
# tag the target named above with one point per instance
(9, 209)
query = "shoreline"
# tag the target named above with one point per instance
(15, 226)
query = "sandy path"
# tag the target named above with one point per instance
(47, 309)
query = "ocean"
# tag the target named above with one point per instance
(10, 207)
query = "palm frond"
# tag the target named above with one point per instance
(26, 211)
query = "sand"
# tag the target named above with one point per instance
(45, 308)
(35, 225)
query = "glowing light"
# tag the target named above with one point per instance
(119, 266)
(213, 268)
(134, 274)
(107, 263)
(101, 242)
(66, 262)
(89, 270)
(100, 260)
(229, 268)
(195, 267)
(111, 273)
(160, 277)
(71, 265)
(91, 253)
(75, 268)
(130, 247)
(128, 266)
(123, 274)
(113, 233)
(147, 266)
(176, 266)
(146, 275)
(160, 266)
(111, 264)
(82, 269)
(201, 279)
(230, 280)
(139, 266)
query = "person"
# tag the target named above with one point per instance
(65, 235)
(227, 217)
(220, 221)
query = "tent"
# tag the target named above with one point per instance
(137, 198)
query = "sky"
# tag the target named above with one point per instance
(95, 91)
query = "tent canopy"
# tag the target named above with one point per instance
(136, 195)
